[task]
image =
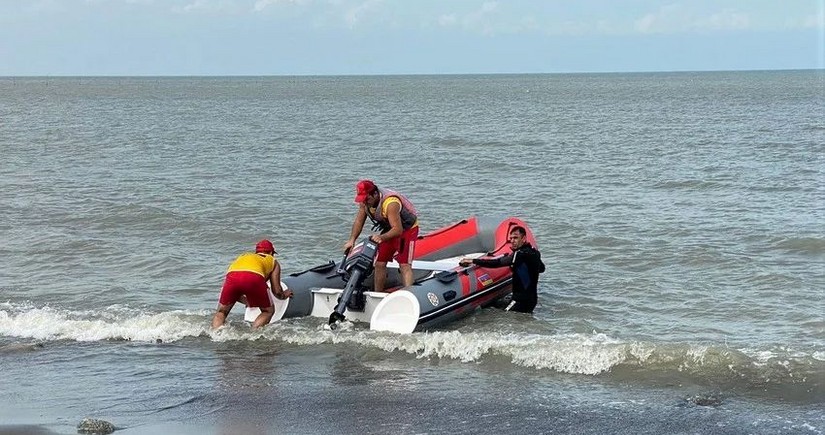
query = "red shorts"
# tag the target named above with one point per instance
(245, 283)
(401, 247)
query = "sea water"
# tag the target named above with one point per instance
(681, 217)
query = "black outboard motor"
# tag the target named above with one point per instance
(355, 268)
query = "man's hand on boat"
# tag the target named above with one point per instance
(283, 294)
(375, 237)
(465, 262)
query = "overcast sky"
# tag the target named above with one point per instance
(298, 37)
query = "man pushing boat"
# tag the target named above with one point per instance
(246, 282)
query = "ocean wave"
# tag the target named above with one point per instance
(112, 323)
(802, 245)
(606, 242)
(688, 184)
(455, 142)
(581, 354)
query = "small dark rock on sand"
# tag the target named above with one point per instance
(95, 426)
(712, 399)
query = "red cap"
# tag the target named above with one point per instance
(265, 246)
(362, 189)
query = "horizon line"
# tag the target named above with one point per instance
(404, 74)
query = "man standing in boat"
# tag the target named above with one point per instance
(525, 262)
(397, 221)
(246, 283)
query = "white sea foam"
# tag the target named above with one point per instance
(573, 353)
(113, 323)
(569, 353)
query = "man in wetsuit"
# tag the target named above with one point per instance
(525, 262)
(396, 219)
(246, 283)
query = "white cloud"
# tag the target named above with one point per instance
(529, 23)
(675, 18)
(646, 24)
(569, 28)
(814, 21)
(474, 21)
(42, 6)
(208, 6)
(263, 4)
(447, 20)
(725, 20)
(480, 19)
(489, 7)
(668, 19)
(146, 2)
(357, 14)
(493, 17)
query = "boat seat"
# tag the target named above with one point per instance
(439, 265)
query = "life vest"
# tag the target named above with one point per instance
(262, 264)
(409, 216)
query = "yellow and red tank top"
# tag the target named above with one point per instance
(262, 264)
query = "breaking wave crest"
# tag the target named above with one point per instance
(112, 323)
(584, 354)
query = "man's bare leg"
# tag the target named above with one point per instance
(264, 318)
(219, 318)
(380, 276)
(406, 274)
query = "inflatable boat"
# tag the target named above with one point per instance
(442, 292)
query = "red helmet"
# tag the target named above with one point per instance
(265, 246)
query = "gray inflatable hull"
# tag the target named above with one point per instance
(443, 291)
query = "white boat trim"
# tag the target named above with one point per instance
(325, 299)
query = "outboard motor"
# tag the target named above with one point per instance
(356, 267)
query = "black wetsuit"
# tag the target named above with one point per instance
(526, 265)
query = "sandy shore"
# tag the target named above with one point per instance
(24, 430)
